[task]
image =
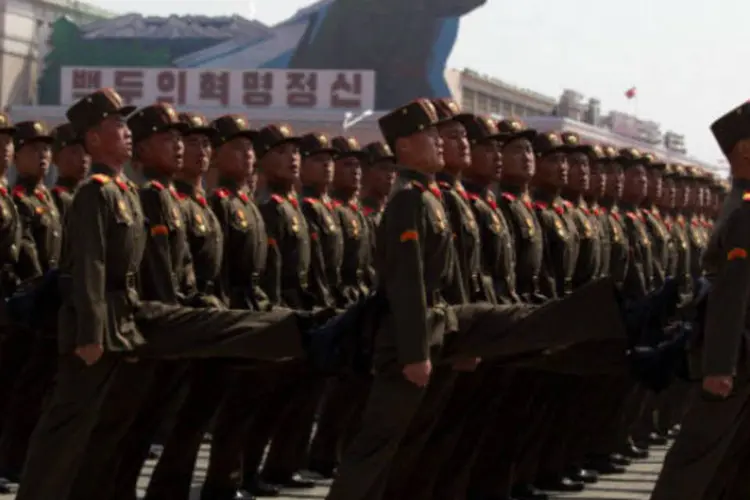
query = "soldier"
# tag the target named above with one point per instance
(103, 321)
(409, 472)
(239, 286)
(39, 254)
(716, 422)
(347, 183)
(562, 245)
(696, 231)
(588, 263)
(378, 178)
(612, 219)
(461, 429)
(328, 247)
(662, 245)
(72, 164)
(140, 391)
(593, 196)
(173, 474)
(679, 265)
(415, 264)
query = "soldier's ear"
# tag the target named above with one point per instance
(402, 147)
(741, 152)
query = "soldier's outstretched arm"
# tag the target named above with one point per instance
(88, 218)
(729, 299)
(404, 275)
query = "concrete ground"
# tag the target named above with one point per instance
(636, 484)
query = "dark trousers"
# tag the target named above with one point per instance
(290, 442)
(26, 402)
(342, 408)
(173, 474)
(246, 395)
(58, 444)
(167, 386)
(15, 350)
(483, 331)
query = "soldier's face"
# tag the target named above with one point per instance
(317, 170)
(552, 171)
(112, 140)
(6, 151)
(282, 163)
(598, 182)
(636, 184)
(424, 149)
(380, 178)
(580, 172)
(655, 185)
(73, 162)
(197, 154)
(33, 159)
(486, 161)
(682, 194)
(694, 197)
(164, 151)
(456, 152)
(518, 160)
(668, 194)
(235, 159)
(615, 181)
(348, 174)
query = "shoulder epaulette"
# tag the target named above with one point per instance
(60, 189)
(473, 196)
(277, 198)
(540, 205)
(445, 185)
(509, 196)
(418, 185)
(631, 215)
(746, 196)
(181, 196)
(368, 210)
(310, 200)
(19, 191)
(559, 209)
(3, 190)
(222, 192)
(101, 178)
(567, 203)
(158, 185)
(336, 203)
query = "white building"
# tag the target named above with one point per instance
(24, 26)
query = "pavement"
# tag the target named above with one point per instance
(635, 484)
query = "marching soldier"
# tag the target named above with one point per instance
(140, 391)
(716, 424)
(172, 476)
(612, 219)
(689, 184)
(102, 319)
(676, 224)
(239, 286)
(347, 179)
(593, 197)
(662, 245)
(588, 263)
(39, 254)
(378, 178)
(72, 164)
(415, 265)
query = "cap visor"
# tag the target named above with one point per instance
(323, 151)
(209, 131)
(126, 110)
(528, 134)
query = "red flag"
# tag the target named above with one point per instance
(630, 93)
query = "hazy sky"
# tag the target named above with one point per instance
(690, 60)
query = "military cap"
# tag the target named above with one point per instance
(653, 162)
(154, 119)
(271, 136)
(31, 131)
(575, 145)
(196, 123)
(630, 157)
(65, 135)
(479, 128)
(378, 152)
(92, 109)
(229, 127)
(515, 129)
(732, 128)
(677, 172)
(610, 154)
(347, 147)
(448, 110)
(413, 118)
(315, 143)
(6, 124)
(549, 143)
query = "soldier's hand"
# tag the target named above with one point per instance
(718, 385)
(466, 365)
(90, 353)
(418, 373)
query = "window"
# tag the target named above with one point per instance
(482, 103)
(467, 100)
(495, 105)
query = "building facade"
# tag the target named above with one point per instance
(24, 28)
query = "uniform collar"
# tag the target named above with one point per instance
(230, 184)
(476, 188)
(29, 183)
(413, 175)
(68, 183)
(154, 175)
(310, 192)
(101, 168)
(187, 188)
